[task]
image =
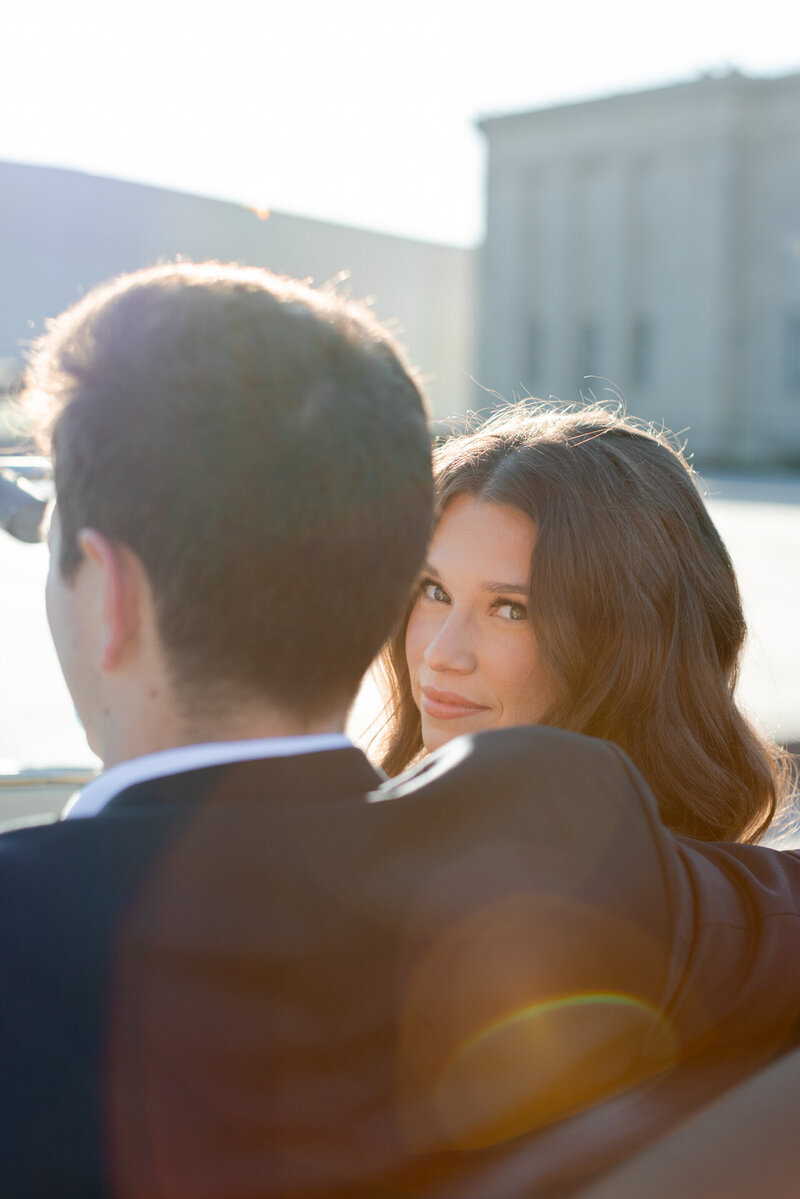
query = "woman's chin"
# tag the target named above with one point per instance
(435, 736)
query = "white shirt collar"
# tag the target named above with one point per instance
(94, 797)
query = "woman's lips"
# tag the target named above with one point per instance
(447, 705)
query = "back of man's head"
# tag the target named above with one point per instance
(262, 448)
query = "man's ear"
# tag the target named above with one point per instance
(117, 582)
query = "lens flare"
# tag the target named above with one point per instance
(546, 1061)
(531, 1008)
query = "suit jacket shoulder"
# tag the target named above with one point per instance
(725, 917)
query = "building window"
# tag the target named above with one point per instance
(641, 352)
(589, 346)
(791, 354)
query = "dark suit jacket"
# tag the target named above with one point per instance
(278, 978)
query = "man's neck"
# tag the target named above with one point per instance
(237, 724)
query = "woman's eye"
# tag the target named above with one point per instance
(510, 611)
(433, 591)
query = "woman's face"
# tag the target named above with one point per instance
(472, 656)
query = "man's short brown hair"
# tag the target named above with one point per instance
(262, 447)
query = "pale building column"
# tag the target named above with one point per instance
(557, 273)
(501, 286)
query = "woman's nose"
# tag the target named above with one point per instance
(452, 648)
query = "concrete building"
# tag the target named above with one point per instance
(63, 231)
(653, 240)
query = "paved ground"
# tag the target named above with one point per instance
(758, 518)
(760, 522)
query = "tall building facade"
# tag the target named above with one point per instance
(649, 245)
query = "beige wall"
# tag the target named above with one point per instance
(62, 231)
(663, 225)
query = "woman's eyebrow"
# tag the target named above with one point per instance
(514, 588)
(428, 569)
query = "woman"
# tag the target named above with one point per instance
(576, 579)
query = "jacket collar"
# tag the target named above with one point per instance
(160, 772)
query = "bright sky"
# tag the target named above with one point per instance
(350, 111)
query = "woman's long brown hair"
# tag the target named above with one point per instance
(634, 604)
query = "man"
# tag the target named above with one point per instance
(244, 496)
(238, 967)
(220, 439)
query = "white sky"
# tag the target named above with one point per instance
(352, 111)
